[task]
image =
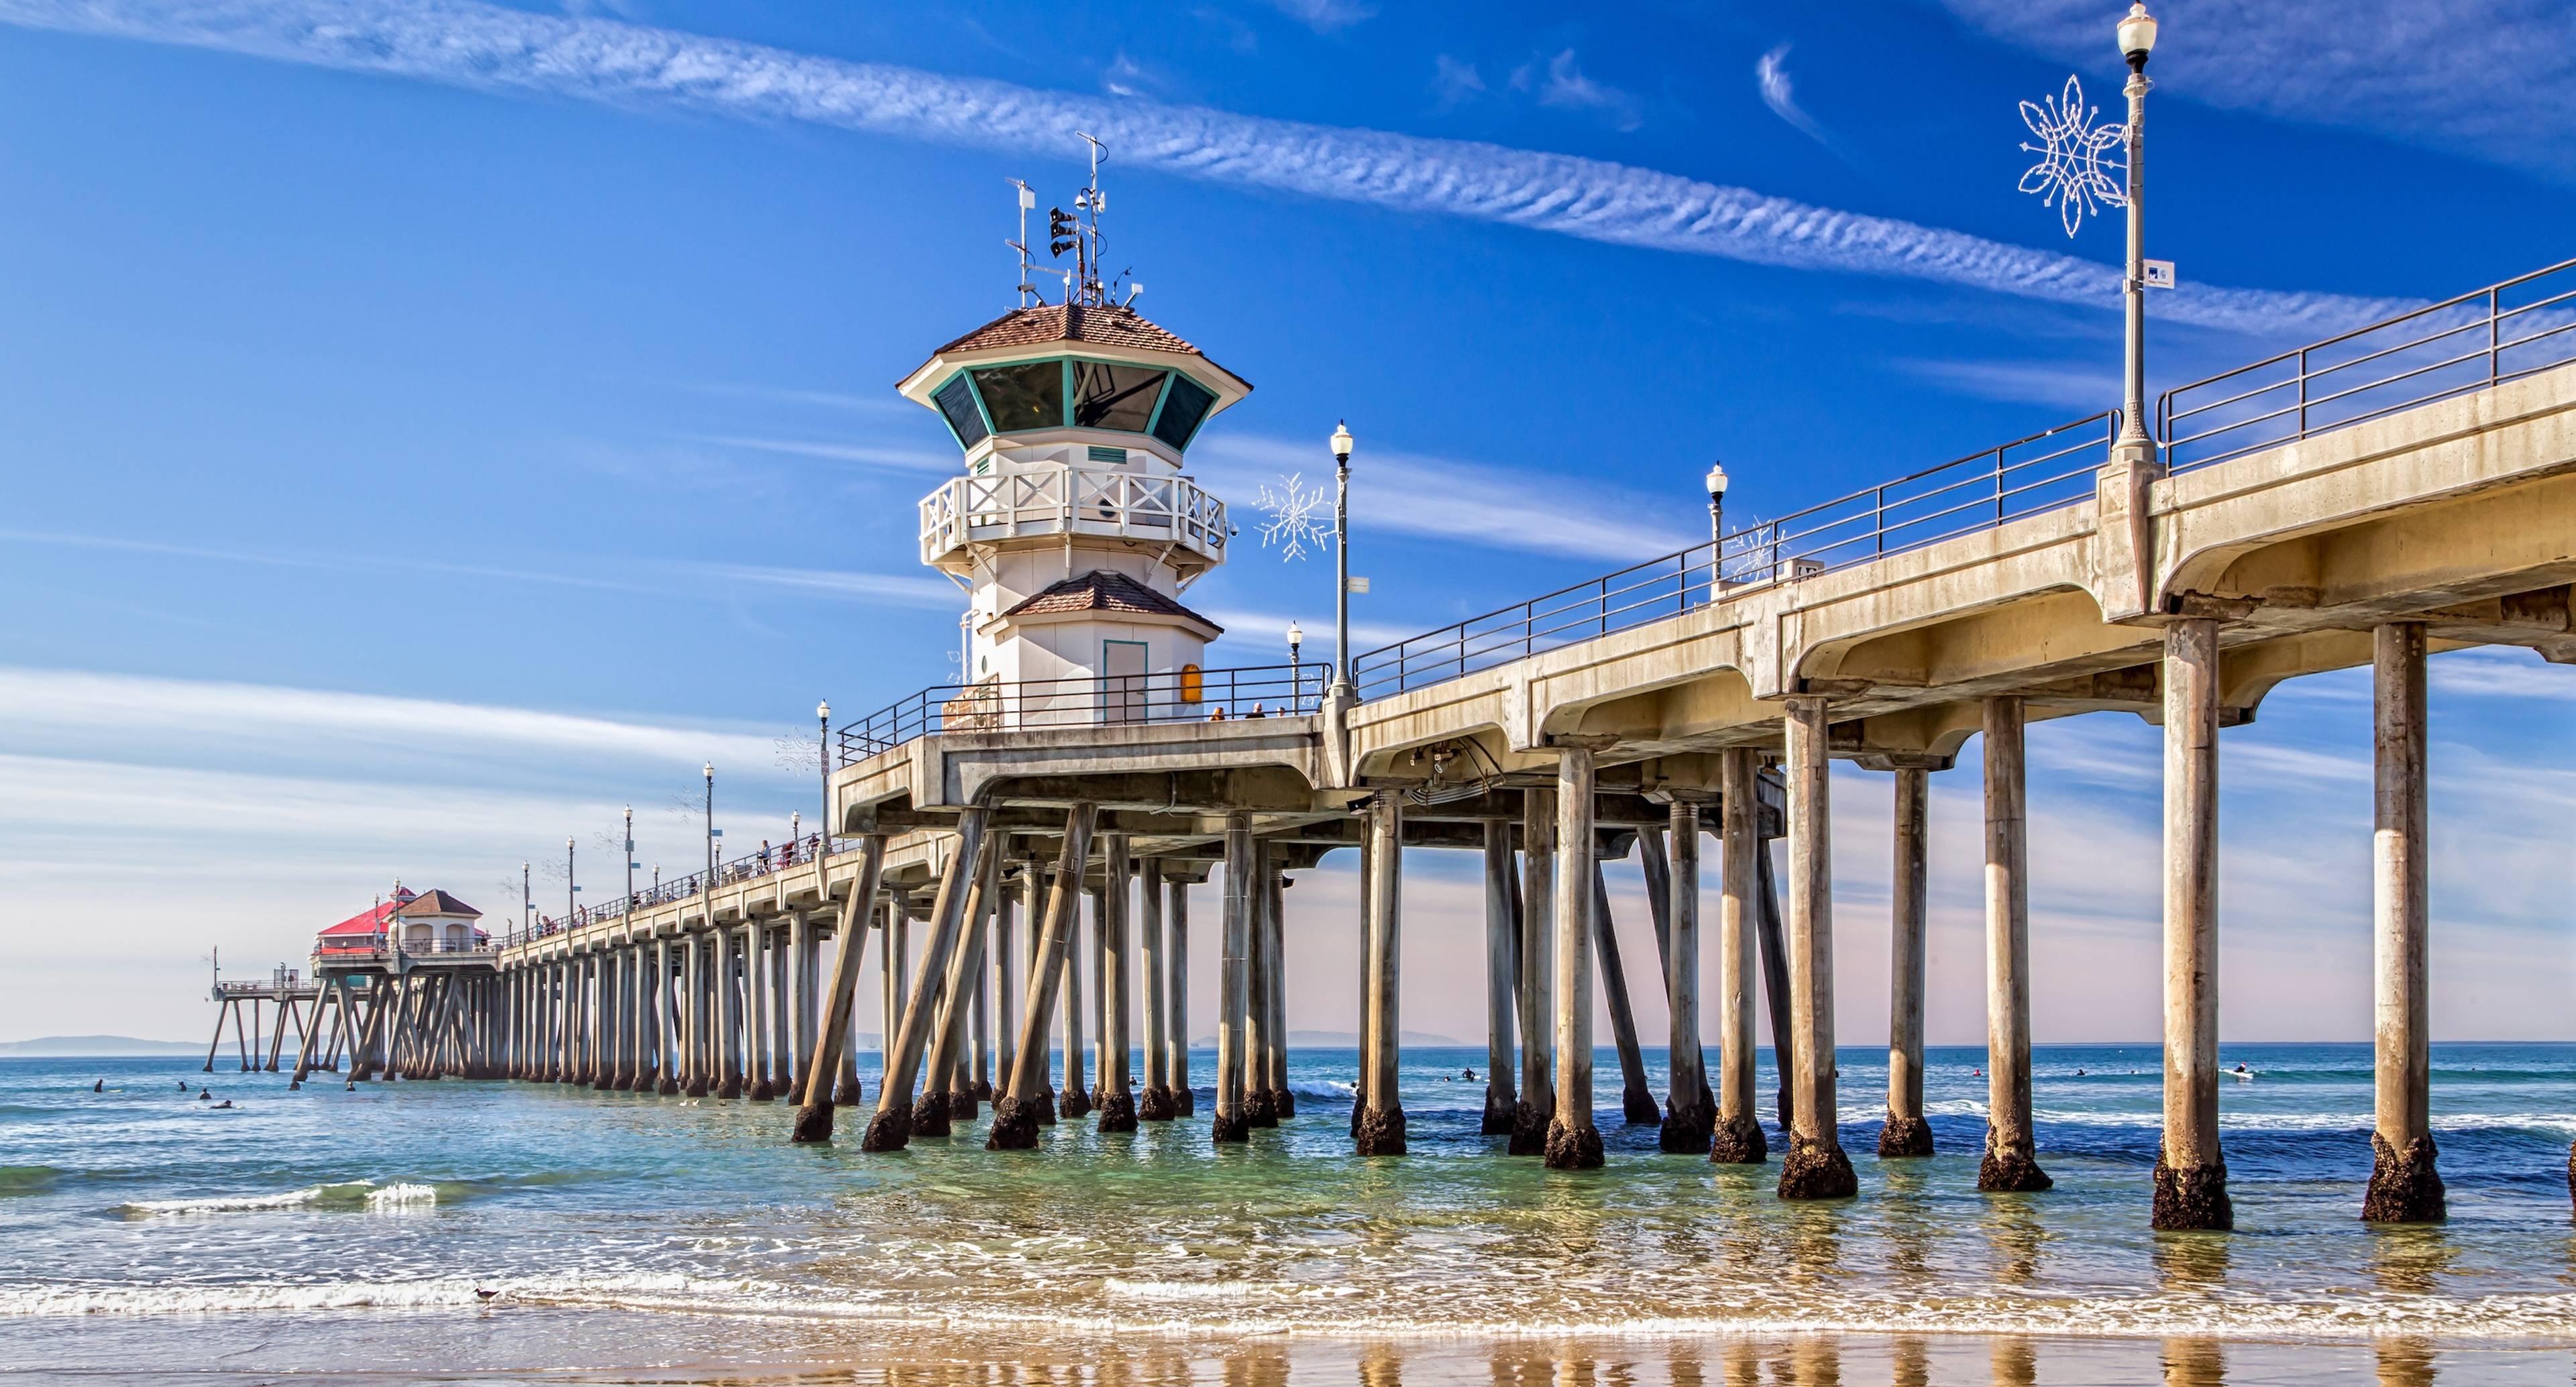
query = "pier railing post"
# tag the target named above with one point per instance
(1815, 1167)
(2010, 1162)
(1016, 1115)
(2191, 1174)
(2405, 1187)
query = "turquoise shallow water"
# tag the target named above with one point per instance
(348, 1232)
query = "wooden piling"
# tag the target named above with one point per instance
(2011, 1162)
(1234, 983)
(1815, 1167)
(1906, 1134)
(2405, 1186)
(891, 1127)
(2191, 1174)
(1573, 1143)
(1537, 974)
(1502, 970)
(1015, 1115)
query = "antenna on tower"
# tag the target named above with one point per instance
(1091, 202)
(1028, 200)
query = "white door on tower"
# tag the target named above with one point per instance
(1122, 681)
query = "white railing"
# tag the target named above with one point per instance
(1056, 500)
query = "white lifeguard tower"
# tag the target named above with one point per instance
(1074, 529)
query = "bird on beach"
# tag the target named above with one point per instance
(482, 1294)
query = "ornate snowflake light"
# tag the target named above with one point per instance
(1299, 518)
(2082, 167)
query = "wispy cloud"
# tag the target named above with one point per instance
(2492, 79)
(1326, 16)
(907, 459)
(1490, 507)
(2023, 382)
(1563, 85)
(492, 48)
(1455, 81)
(908, 590)
(1771, 75)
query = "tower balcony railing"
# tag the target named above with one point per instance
(1091, 700)
(1073, 500)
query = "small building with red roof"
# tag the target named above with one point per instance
(427, 922)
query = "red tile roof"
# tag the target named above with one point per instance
(427, 903)
(1103, 591)
(436, 902)
(1106, 325)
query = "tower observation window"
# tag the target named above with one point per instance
(1114, 397)
(1023, 397)
(956, 401)
(1183, 407)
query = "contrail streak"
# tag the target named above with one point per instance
(488, 47)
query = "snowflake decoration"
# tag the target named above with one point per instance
(1297, 517)
(2082, 167)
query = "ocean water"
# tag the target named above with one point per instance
(326, 1235)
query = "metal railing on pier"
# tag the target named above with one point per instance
(1978, 492)
(767, 860)
(2482, 338)
(1090, 701)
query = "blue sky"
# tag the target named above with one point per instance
(434, 425)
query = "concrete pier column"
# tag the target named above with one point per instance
(1099, 972)
(666, 1021)
(569, 1071)
(1502, 972)
(1573, 1143)
(840, 996)
(761, 991)
(1176, 990)
(894, 966)
(1155, 1103)
(1690, 1120)
(1275, 1046)
(728, 1009)
(1005, 976)
(1117, 1093)
(2404, 1185)
(1075, 1098)
(1537, 975)
(1234, 983)
(1815, 1167)
(631, 997)
(1381, 1122)
(1016, 1115)
(1260, 1103)
(891, 1127)
(1036, 888)
(648, 1016)
(2011, 1161)
(1636, 1096)
(2191, 1174)
(1906, 1133)
(782, 1053)
(947, 1095)
(800, 1003)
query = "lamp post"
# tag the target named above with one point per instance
(570, 910)
(1296, 667)
(527, 905)
(630, 859)
(1342, 562)
(2137, 33)
(1716, 529)
(709, 888)
(823, 755)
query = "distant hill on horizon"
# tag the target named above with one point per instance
(93, 1047)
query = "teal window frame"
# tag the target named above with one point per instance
(972, 393)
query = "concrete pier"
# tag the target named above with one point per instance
(1073, 1100)
(1573, 1143)
(1260, 1102)
(2010, 1163)
(1234, 984)
(945, 1098)
(1815, 1167)
(891, 1127)
(2404, 1185)
(1274, 1047)
(1016, 1115)
(2191, 1175)
(1906, 1133)
(1117, 1096)
(1381, 1120)
(1636, 1096)
(1537, 973)
(1502, 966)
(1176, 921)
(840, 995)
(1155, 1103)
(1737, 1138)
(1690, 1118)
